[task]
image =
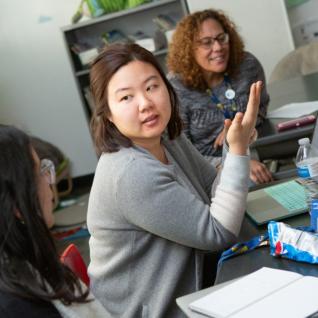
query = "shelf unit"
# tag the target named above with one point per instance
(128, 21)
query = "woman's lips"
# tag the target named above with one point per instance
(217, 58)
(151, 120)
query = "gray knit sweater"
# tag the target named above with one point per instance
(203, 121)
(148, 231)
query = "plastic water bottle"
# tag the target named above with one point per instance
(307, 168)
(302, 157)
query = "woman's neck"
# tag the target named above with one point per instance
(160, 154)
(213, 79)
(156, 149)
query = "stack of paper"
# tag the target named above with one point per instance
(294, 110)
(265, 293)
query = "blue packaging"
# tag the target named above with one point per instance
(291, 243)
(314, 215)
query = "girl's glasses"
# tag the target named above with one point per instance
(48, 170)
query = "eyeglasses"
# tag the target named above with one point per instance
(208, 42)
(48, 170)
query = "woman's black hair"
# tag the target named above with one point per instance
(29, 262)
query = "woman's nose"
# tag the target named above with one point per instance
(144, 102)
(216, 46)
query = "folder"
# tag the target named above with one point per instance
(265, 293)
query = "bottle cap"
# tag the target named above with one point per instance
(303, 141)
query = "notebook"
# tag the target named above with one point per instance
(277, 202)
(264, 293)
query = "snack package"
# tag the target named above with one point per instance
(297, 244)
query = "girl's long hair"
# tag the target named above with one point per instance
(29, 262)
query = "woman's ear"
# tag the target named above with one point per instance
(109, 117)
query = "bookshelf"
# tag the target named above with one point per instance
(87, 35)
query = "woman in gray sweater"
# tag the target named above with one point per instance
(151, 213)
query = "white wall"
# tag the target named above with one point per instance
(304, 22)
(37, 88)
(307, 11)
(263, 24)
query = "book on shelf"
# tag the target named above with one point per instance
(266, 292)
(114, 36)
(165, 22)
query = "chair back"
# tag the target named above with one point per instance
(302, 61)
(72, 258)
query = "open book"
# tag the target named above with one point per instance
(266, 293)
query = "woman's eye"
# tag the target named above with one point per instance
(126, 98)
(206, 42)
(152, 87)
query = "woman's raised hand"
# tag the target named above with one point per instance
(239, 131)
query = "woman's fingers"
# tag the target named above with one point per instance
(253, 136)
(253, 103)
(227, 125)
(253, 177)
(237, 120)
(242, 125)
(259, 172)
(219, 139)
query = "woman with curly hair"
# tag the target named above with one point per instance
(212, 75)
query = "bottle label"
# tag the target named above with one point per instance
(303, 172)
(314, 215)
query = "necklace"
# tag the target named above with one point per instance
(229, 109)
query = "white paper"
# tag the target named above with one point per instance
(294, 110)
(234, 297)
(297, 300)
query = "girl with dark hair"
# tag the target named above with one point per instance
(212, 75)
(151, 212)
(33, 282)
